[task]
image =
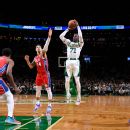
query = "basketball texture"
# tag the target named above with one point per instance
(72, 24)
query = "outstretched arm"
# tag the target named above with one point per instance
(31, 65)
(62, 37)
(45, 48)
(81, 41)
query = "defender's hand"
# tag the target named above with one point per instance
(17, 90)
(26, 57)
(50, 32)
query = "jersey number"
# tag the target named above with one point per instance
(73, 50)
(39, 64)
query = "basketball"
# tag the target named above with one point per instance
(72, 24)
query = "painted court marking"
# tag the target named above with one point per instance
(55, 123)
(20, 127)
(26, 119)
(27, 123)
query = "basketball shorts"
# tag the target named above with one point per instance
(72, 68)
(42, 80)
(3, 87)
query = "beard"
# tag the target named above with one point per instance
(75, 39)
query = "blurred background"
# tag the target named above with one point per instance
(105, 57)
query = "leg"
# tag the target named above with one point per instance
(38, 95)
(76, 73)
(67, 87)
(67, 79)
(48, 89)
(49, 92)
(78, 86)
(10, 105)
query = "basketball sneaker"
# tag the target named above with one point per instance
(77, 102)
(11, 120)
(37, 106)
(49, 109)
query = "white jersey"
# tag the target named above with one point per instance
(73, 50)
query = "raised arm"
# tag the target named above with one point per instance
(31, 65)
(45, 48)
(81, 41)
(62, 37)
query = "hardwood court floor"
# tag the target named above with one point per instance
(94, 113)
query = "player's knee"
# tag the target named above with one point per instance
(67, 79)
(9, 97)
(38, 93)
(50, 95)
(77, 81)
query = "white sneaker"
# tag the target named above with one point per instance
(77, 102)
(49, 109)
(37, 106)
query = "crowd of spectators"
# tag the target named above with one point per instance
(106, 73)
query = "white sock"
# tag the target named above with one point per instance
(10, 103)
(37, 102)
(49, 104)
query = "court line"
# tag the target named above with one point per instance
(27, 123)
(24, 128)
(54, 123)
(56, 102)
(27, 119)
(46, 102)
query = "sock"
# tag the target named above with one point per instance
(49, 104)
(37, 102)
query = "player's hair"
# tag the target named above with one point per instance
(6, 52)
(38, 45)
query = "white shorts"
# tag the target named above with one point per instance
(72, 68)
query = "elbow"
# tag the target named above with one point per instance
(61, 37)
(8, 73)
(44, 50)
(31, 67)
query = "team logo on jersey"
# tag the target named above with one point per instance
(74, 44)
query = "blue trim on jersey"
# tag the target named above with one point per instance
(3, 68)
(45, 64)
(47, 71)
(49, 79)
(3, 85)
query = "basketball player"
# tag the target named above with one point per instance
(72, 63)
(6, 66)
(43, 75)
